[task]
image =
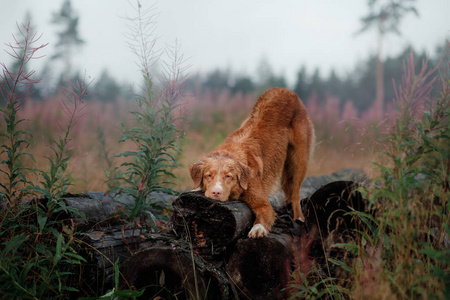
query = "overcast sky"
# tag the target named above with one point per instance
(235, 34)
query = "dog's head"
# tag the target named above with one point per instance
(220, 177)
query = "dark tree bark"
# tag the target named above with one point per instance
(330, 207)
(210, 225)
(261, 268)
(173, 272)
(329, 220)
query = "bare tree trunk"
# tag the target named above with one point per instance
(379, 97)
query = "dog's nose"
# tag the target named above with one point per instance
(216, 193)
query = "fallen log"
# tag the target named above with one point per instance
(217, 232)
(330, 207)
(330, 221)
(106, 236)
(261, 268)
(101, 210)
(210, 225)
(175, 273)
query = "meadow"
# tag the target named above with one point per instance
(343, 140)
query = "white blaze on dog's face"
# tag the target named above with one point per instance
(221, 178)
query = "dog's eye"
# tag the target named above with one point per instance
(227, 176)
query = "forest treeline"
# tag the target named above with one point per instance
(357, 85)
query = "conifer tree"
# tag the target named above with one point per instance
(68, 37)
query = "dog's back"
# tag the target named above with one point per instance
(278, 123)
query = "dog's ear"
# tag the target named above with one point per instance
(244, 175)
(196, 171)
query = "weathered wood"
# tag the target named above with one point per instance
(174, 273)
(329, 207)
(101, 209)
(210, 225)
(101, 249)
(106, 235)
(329, 221)
(261, 268)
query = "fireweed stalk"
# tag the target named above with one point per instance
(16, 87)
(158, 111)
(56, 181)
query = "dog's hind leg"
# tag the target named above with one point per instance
(293, 175)
(296, 164)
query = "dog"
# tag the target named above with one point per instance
(269, 152)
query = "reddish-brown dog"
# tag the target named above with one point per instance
(270, 151)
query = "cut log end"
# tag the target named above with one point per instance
(210, 225)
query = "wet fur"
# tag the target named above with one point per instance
(270, 150)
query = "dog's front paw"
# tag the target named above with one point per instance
(301, 219)
(258, 231)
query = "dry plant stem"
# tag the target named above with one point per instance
(73, 106)
(141, 38)
(55, 182)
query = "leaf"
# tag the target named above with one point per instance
(42, 221)
(76, 256)
(129, 293)
(14, 243)
(116, 274)
(58, 254)
(162, 278)
(438, 255)
(340, 264)
(42, 191)
(352, 248)
(70, 289)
